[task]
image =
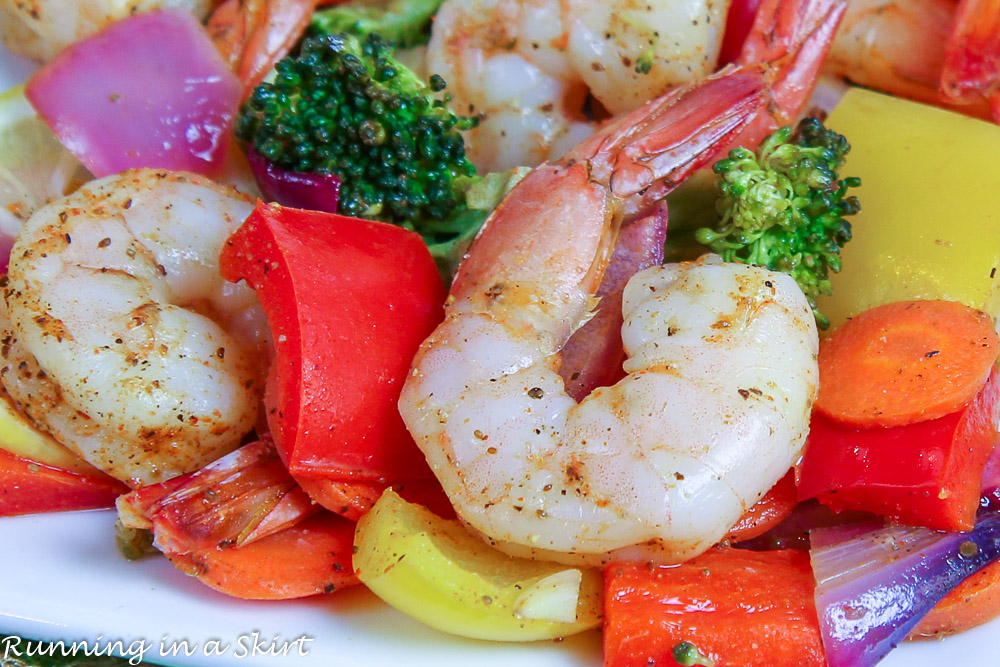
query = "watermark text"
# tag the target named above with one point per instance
(251, 644)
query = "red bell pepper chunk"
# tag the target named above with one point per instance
(349, 302)
(928, 473)
(767, 512)
(352, 500)
(27, 487)
(739, 20)
(733, 606)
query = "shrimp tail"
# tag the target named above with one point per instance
(615, 176)
(666, 140)
(646, 153)
(971, 68)
(793, 38)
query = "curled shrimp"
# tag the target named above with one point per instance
(527, 67)
(721, 358)
(924, 50)
(40, 29)
(121, 338)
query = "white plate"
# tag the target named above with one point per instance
(62, 578)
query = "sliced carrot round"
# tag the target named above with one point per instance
(905, 362)
(311, 557)
(973, 602)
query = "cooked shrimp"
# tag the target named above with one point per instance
(526, 66)
(721, 367)
(40, 29)
(899, 46)
(252, 35)
(971, 68)
(123, 339)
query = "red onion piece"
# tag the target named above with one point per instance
(315, 192)
(874, 586)
(6, 243)
(793, 531)
(593, 356)
(147, 91)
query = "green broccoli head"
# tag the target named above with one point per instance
(784, 206)
(405, 22)
(346, 107)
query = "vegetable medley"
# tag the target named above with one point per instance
(368, 230)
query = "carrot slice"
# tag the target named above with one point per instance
(309, 558)
(973, 602)
(905, 362)
(736, 607)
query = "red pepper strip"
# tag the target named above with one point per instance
(349, 302)
(735, 607)
(767, 512)
(739, 20)
(27, 487)
(353, 499)
(926, 474)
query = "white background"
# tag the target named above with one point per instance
(62, 578)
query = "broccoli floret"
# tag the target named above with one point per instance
(784, 207)
(405, 22)
(346, 107)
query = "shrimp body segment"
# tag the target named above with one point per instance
(119, 331)
(721, 368)
(40, 29)
(526, 67)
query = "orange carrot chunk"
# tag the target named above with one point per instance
(973, 602)
(309, 558)
(725, 607)
(904, 363)
(924, 474)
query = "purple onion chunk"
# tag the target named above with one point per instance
(593, 355)
(150, 90)
(873, 586)
(315, 192)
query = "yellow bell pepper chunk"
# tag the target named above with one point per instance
(20, 437)
(438, 573)
(929, 227)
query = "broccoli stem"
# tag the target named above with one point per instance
(405, 22)
(687, 654)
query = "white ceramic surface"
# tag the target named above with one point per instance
(62, 578)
